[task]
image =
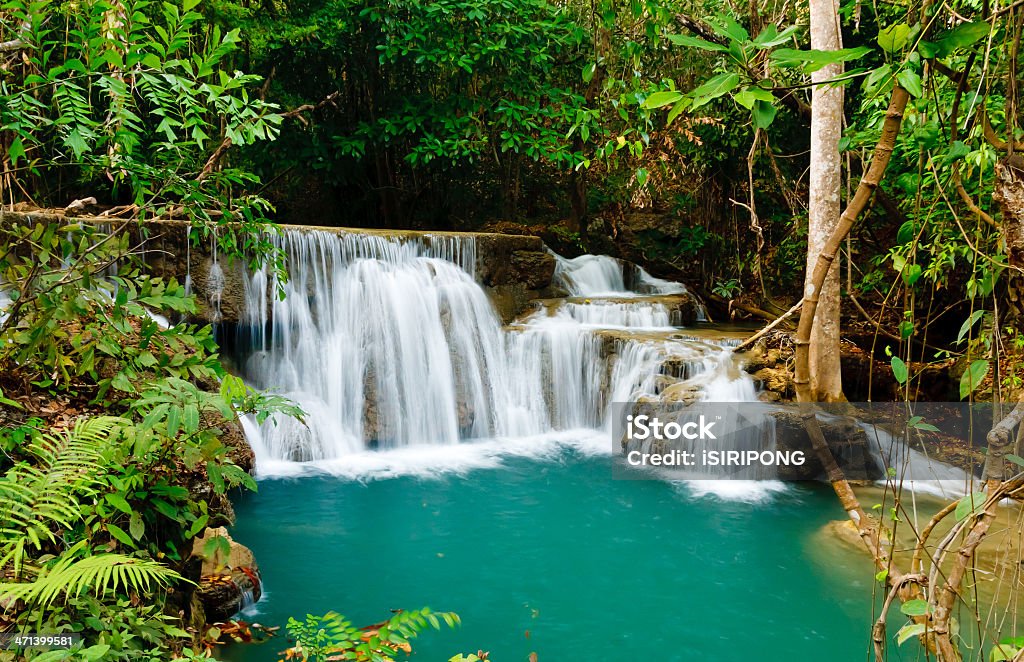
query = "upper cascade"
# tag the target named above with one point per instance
(604, 276)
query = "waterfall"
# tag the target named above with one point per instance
(389, 342)
(617, 314)
(380, 341)
(590, 275)
(648, 284)
(604, 276)
(912, 469)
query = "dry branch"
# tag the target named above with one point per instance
(749, 342)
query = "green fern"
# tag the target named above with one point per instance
(38, 497)
(98, 574)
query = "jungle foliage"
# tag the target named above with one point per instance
(574, 119)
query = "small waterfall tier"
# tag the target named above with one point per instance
(390, 342)
(604, 276)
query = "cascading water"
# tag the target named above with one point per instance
(619, 314)
(390, 343)
(590, 275)
(603, 276)
(380, 341)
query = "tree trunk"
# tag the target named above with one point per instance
(824, 204)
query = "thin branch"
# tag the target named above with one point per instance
(749, 342)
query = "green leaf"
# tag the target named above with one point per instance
(763, 114)
(749, 95)
(956, 151)
(76, 142)
(1002, 653)
(899, 369)
(677, 109)
(910, 81)
(173, 420)
(968, 323)
(882, 74)
(726, 26)
(122, 383)
(641, 176)
(119, 502)
(213, 472)
(198, 525)
(94, 653)
(916, 422)
(973, 377)
(813, 60)
(588, 72)
(118, 533)
(770, 36)
(927, 49)
(906, 329)
(906, 232)
(961, 36)
(911, 273)
(714, 88)
(659, 99)
(968, 505)
(1016, 459)
(167, 510)
(909, 631)
(687, 40)
(136, 526)
(914, 607)
(894, 38)
(190, 419)
(16, 150)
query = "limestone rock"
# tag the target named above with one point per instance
(779, 380)
(227, 583)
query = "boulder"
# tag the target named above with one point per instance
(847, 441)
(228, 583)
(777, 380)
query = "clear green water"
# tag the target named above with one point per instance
(553, 556)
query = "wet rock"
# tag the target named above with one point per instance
(777, 380)
(511, 301)
(520, 263)
(847, 441)
(233, 438)
(503, 259)
(761, 357)
(533, 269)
(228, 582)
(683, 392)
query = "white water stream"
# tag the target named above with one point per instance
(389, 343)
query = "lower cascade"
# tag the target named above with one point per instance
(391, 343)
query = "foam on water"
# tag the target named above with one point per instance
(748, 491)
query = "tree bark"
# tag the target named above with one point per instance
(824, 203)
(867, 186)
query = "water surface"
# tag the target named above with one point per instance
(550, 555)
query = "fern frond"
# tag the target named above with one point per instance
(97, 574)
(36, 499)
